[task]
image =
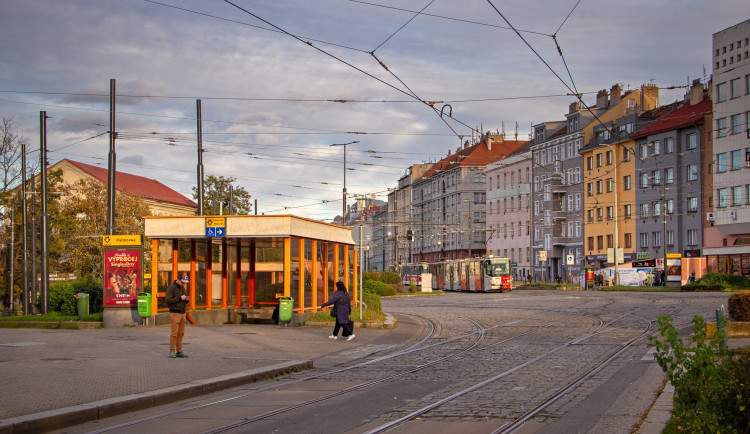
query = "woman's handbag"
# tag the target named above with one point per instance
(333, 311)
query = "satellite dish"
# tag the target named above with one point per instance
(366, 232)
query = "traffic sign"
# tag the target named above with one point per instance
(216, 222)
(542, 255)
(121, 240)
(570, 259)
(215, 232)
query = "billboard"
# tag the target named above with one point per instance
(122, 276)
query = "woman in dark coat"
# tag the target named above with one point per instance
(342, 306)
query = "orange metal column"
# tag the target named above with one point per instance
(192, 289)
(154, 275)
(287, 266)
(251, 276)
(224, 267)
(345, 275)
(335, 263)
(238, 273)
(301, 283)
(314, 274)
(175, 261)
(325, 272)
(209, 273)
(354, 276)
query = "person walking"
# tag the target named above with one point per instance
(342, 307)
(177, 299)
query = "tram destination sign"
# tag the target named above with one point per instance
(215, 227)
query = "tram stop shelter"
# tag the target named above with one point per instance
(241, 265)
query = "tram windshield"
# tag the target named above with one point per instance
(498, 268)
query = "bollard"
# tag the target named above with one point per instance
(721, 326)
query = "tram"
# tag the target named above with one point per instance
(476, 274)
(416, 273)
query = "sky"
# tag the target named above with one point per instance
(280, 81)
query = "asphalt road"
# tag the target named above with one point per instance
(531, 361)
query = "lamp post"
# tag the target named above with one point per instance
(343, 213)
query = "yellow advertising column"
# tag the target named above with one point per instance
(123, 279)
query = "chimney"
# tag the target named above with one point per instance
(695, 94)
(489, 142)
(602, 99)
(649, 97)
(574, 107)
(615, 95)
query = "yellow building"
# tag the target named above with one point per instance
(609, 178)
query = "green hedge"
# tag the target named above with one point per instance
(739, 306)
(725, 281)
(62, 296)
(377, 287)
(382, 276)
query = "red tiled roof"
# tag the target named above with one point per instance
(682, 117)
(476, 155)
(136, 185)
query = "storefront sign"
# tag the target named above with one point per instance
(674, 255)
(695, 253)
(644, 263)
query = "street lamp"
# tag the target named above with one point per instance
(343, 214)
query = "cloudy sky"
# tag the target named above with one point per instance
(282, 80)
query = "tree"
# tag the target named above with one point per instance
(82, 221)
(216, 192)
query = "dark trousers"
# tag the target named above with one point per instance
(347, 328)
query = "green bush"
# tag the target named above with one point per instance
(712, 385)
(377, 287)
(739, 306)
(95, 291)
(372, 301)
(62, 298)
(382, 276)
(701, 287)
(726, 281)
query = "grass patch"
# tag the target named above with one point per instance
(53, 317)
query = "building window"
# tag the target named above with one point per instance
(669, 175)
(721, 162)
(735, 123)
(656, 177)
(692, 237)
(610, 241)
(736, 157)
(657, 209)
(735, 88)
(736, 196)
(599, 186)
(692, 204)
(628, 241)
(656, 146)
(668, 145)
(598, 160)
(644, 151)
(628, 211)
(721, 92)
(609, 158)
(591, 243)
(590, 188)
(643, 239)
(610, 213)
(644, 210)
(610, 185)
(626, 182)
(722, 197)
(591, 216)
(721, 127)
(578, 201)
(590, 162)
(644, 180)
(600, 242)
(626, 155)
(692, 141)
(600, 214)
(692, 172)
(656, 239)
(670, 238)
(669, 205)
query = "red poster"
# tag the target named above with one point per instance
(121, 277)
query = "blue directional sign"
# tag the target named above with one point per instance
(215, 232)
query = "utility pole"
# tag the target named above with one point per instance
(34, 288)
(45, 217)
(200, 158)
(24, 235)
(111, 185)
(343, 212)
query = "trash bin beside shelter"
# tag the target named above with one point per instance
(83, 303)
(144, 304)
(285, 309)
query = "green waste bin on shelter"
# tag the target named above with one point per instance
(285, 309)
(83, 303)
(144, 304)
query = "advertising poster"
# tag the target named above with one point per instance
(629, 277)
(674, 270)
(121, 276)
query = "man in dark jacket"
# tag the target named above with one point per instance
(177, 299)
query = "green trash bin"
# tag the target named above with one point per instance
(83, 303)
(144, 304)
(285, 309)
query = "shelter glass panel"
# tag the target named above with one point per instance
(199, 286)
(232, 274)
(269, 270)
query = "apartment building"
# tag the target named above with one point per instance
(509, 210)
(730, 253)
(558, 188)
(449, 202)
(669, 180)
(401, 216)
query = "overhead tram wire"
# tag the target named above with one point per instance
(410, 93)
(402, 26)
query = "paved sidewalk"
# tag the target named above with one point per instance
(55, 378)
